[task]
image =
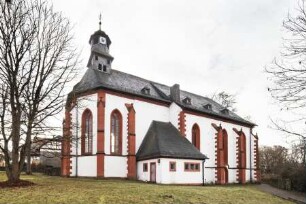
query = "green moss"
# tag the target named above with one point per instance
(81, 190)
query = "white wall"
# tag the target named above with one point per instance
(115, 166)
(145, 176)
(145, 114)
(87, 166)
(209, 175)
(165, 176)
(112, 103)
(207, 146)
(174, 111)
(180, 176)
(86, 163)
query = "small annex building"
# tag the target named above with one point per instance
(174, 154)
(118, 125)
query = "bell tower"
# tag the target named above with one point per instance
(100, 59)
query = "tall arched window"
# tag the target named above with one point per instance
(86, 137)
(225, 146)
(222, 156)
(196, 136)
(242, 157)
(116, 133)
(242, 148)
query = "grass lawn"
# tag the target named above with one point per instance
(81, 190)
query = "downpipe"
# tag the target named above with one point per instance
(251, 169)
(203, 177)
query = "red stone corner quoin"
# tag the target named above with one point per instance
(65, 171)
(256, 159)
(182, 123)
(100, 133)
(131, 160)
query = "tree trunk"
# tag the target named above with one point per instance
(14, 176)
(28, 147)
(29, 166)
(7, 160)
(15, 167)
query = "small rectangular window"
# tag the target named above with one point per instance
(108, 61)
(192, 166)
(197, 167)
(104, 68)
(145, 167)
(100, 67)
(172, 166)
(186, 166)
(96, 57)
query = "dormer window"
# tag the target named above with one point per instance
(100, 67)
(225, 111)
(208, 106)
(187, 100)
(145, 90)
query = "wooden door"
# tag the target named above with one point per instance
(153, 172)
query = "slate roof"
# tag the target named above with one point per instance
(127, 83)
(163, 140)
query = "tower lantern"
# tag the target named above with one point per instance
(100, 58)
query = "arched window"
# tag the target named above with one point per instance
(242, 157)
(225, 146)
(86, 137)
(196, 136)
(116, 133)
(222, 156)
(242, 149)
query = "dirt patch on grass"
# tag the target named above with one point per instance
(19, 184)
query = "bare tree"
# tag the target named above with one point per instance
(289, 72)
(288, 75)
(273, 159)
(279, 164)
(225, 99)
(37, 60)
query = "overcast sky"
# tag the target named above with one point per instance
(205, 46)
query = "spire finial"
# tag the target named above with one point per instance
(100, 19)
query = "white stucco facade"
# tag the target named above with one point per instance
(146, 112)
(165, 176)
(208, 142)
(109, 113)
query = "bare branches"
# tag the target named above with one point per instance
(226, 100)
(288, 74)
(37, 60)
(286, 129)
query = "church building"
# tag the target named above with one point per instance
(118, 125)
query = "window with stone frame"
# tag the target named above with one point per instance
(145, 167)
(86, 137)
(191, 166)
(172, 166)
(116, 132)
